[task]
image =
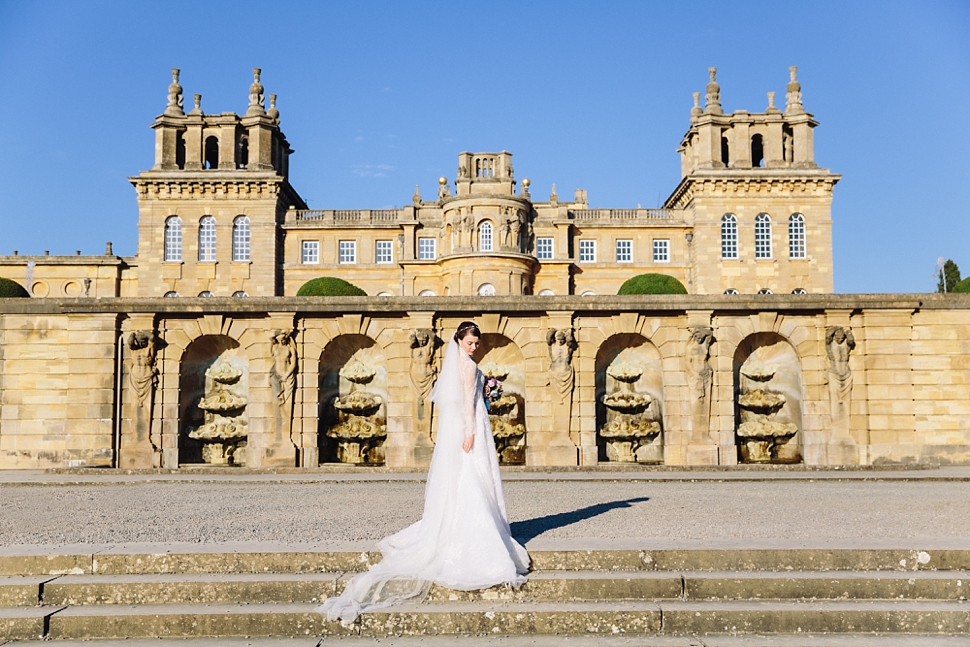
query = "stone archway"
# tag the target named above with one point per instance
(768, 396)
(353, 401)
(629, 400)
(213, 399)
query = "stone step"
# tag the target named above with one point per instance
(542, 586)
(515, 618)
(124, 560)
(566, 640)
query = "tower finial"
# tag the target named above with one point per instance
(793, 106)
(197, 110)
(771, 104)
(712, 105)
(696, 111)
(416, 198)
(256, 106)
(272, 113)
(174, 107)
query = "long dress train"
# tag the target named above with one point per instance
(463, 539)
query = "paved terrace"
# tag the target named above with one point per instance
(660, 508)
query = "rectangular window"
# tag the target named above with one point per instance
(624, 251)
(427, 249)
(311, 252)
(383, 253)
(587, 251)
(348, 251)
(544, 249)
(661, 251)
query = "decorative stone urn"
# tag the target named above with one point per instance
(632, 429)
(359, 431)
(760, 433)
(224, 430)
(503, 414)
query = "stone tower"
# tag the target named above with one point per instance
(212, 206)
(761, 205)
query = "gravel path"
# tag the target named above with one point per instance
(341, 511)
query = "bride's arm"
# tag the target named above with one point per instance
(468, 382)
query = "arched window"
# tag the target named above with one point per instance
(757, 151)
(546, 293)
(764, 291)
(725, 151)
(240, 238)
(486, 290)
(796, 236)
(239, 293)
(173, 239)
(731, 291)
(426, 293)
(206, 293)
(207, 239)
(485, 236)
(762, 236)
(171, 294)
(729, 236)
(242, 152)
(211, 152)
(799, 291)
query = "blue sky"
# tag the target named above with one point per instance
(376, 97)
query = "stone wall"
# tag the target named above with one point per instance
(682, 380)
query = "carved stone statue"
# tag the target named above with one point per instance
(839, 342)
(562, 377)
(143, 378)
(283, 378)
(422, 371)
(506, 233)
(515, 227)
(700, 377)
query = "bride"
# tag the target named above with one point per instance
(463, 540)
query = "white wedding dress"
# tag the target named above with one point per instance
(463, 539)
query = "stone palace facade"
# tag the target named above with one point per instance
(195, 351)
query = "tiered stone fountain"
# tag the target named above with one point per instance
(632, 429)
(760, 432)
(503, 414)
(359, 431)
(224, 429)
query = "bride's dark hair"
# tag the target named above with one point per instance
(466, 328)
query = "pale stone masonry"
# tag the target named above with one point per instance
(217, 216)
(63, 397)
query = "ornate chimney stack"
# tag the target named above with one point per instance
(712, 105)
(256, 105)
(174, 107)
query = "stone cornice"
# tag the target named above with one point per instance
(235, 185)
(763, 181)
(805, 304)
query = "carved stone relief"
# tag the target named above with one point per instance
(422, 370)
(283, 381)
(839, 343)
(562, 377)
(143, 378)
(700, 379)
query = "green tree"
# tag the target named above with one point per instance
(11, 289)
(950, 277)
(652, 284)
(329, 286)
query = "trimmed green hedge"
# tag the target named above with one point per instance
(11, 289)
(329, 286)
(962, 286)
(652, 284)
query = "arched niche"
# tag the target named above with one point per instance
(768, 396)
(500, 357)
(213, 399)
(629, 400)
(353, 401)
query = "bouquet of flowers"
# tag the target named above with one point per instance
(493, 391)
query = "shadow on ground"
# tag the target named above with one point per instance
(529, 529)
